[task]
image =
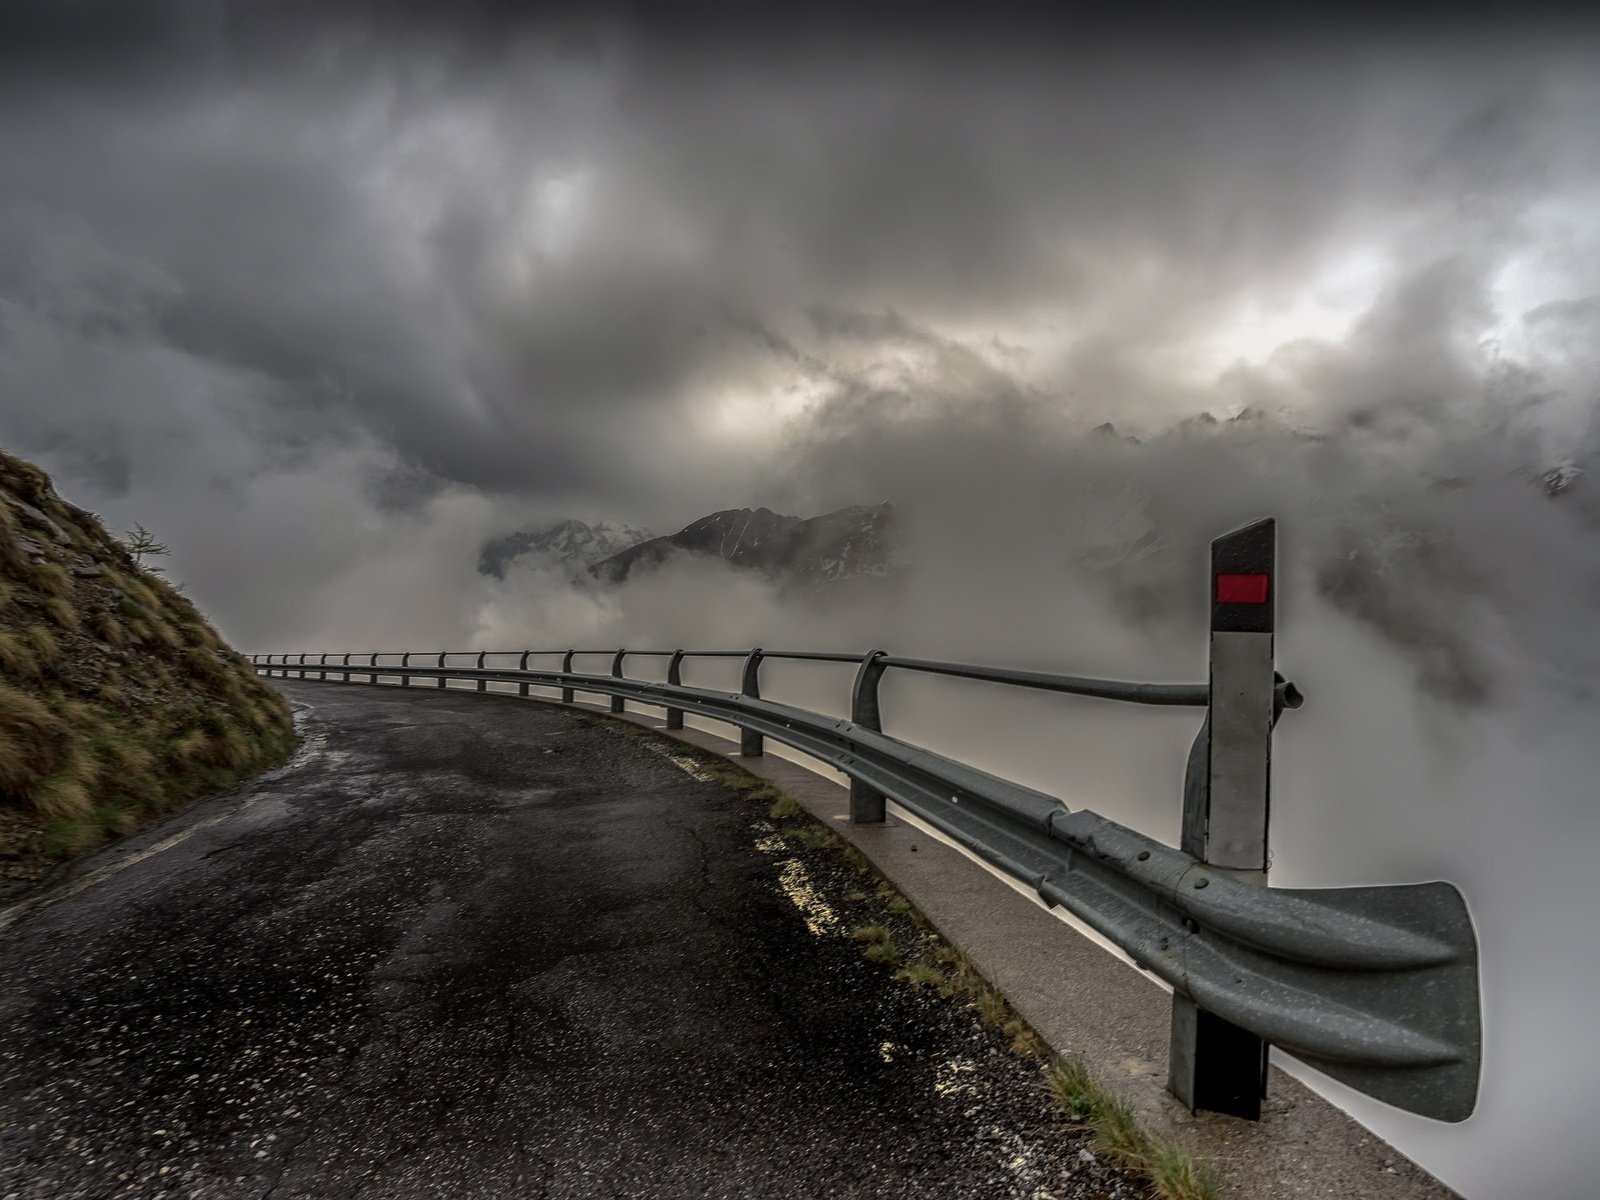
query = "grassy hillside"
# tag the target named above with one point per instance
(117, 699)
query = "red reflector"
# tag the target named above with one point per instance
(1242, 589)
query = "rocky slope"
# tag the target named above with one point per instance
(117, 699)
(568, 543)
(844, 544)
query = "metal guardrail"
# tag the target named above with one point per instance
(1376, 986)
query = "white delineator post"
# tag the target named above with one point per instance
(1214, 1064)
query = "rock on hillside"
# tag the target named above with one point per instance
(568, 542)
(844, 544)
(117, 699)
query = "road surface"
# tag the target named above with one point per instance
(471, 946)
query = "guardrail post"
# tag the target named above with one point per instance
(675, 679)
(346, 675)
(617, 702)
(751, 743)
(441, 667)
(522, 688)
(1214, 1064)
(405, 661)
(302, 666)
(566, 669)
(483, 684)
(867, 803)
(373, 663)
(322, 665)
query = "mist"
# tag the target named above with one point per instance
(326, 298)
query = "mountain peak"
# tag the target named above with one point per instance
(568, 541)
(847, 542)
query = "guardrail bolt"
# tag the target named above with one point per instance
(751, 743)
(1214, 1064)
(867, 804)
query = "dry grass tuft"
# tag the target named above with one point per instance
(63, 796)
(60, 611)
(105, 626)
(190, 748)
(141, 595)
(992, 1008)
(16, 656)
(921, 974)
(1025, 1042)
(34, 742)
(51, 579)
(229, 749)
(882, 952)
(45, 649)
(1173, 1172)
(1075, 1090)
(813, 836)
(165, 635)
(1178, 1176)
(784, 808)
(1117, 1133)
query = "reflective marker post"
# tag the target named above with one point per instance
(1216, 1065)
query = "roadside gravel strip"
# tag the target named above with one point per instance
(469, 946)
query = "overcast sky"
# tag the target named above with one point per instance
(325, 294)
(275, 274)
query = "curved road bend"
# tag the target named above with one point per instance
(470, 946)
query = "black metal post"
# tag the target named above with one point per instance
(405, 661)
(566, 669)
(322, 664)
(441, 667)
(522, 665)
(483, 684)
(751, 743)
(675, 678)
(1214, 1064)
(617, 702)
(867, 804)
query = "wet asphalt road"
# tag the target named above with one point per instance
(464, 946)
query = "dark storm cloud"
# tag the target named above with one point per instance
(560, 258)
